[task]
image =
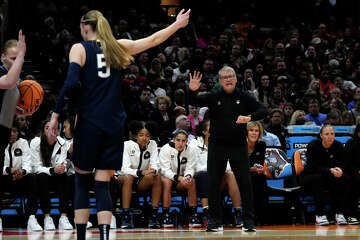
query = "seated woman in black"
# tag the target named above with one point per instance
(324, 171)
(256, 152)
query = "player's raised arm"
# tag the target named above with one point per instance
(13, 66)
(137, 46)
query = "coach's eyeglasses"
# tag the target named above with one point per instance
(227, 77)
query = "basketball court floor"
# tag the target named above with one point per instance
(266, 232)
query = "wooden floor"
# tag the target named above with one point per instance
(269, 232)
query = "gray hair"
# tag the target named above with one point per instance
(226, 69)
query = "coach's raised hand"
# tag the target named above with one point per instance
(195, 79)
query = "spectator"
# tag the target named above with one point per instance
(314, 115)
(355, 111)
(351, 103)
(288, 112)
(194, 117)
(163, 116)
(276, 126)
(183, 123)
(271, 140)
(298, 118)
(143, 108)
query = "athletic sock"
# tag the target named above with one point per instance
(81, 231)
(104, 231)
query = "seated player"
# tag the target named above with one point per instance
(177, 164)
(49, 160)
(17, 176)
(140, 171)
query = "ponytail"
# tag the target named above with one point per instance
(115, 54)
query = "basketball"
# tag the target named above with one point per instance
(31, 97)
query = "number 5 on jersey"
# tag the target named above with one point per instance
(101, 64)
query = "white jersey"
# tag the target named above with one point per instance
(70, 165)
(202, 155)
(135, 159)
(20, 156)
(173, 162)
(58, 156)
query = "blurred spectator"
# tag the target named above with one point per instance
(276, 126)
(143, 108)
(163, 116)
(288, 112)
(298, 118)
(314, 115)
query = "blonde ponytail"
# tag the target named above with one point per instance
(115, 54)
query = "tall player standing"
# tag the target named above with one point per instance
(96, 64)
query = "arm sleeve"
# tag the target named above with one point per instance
(200, 100)
(72, 81)
(190, 165)
(126, 167)
(154, 160)
(164, 160)
(26, 163)
(36, 158)
(256, 109)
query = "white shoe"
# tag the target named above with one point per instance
(1, 228)
(64, 223)
(89, 225)
(49, 224)
(33, 225)
(321, 220)
(113, 222)
(340, 219)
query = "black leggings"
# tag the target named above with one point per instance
(62, 184)
(218, 156)
(24, 187)
(4, 141)
(317, 184)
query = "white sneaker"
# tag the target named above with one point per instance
(48, 224)
(321, 220)
(113, 222)
(340, 219)
(89, 225)
(1, 228)
(352, 220)
(33, 225)
(64, 223)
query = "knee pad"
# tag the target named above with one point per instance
(103, 197)
(81, 195)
